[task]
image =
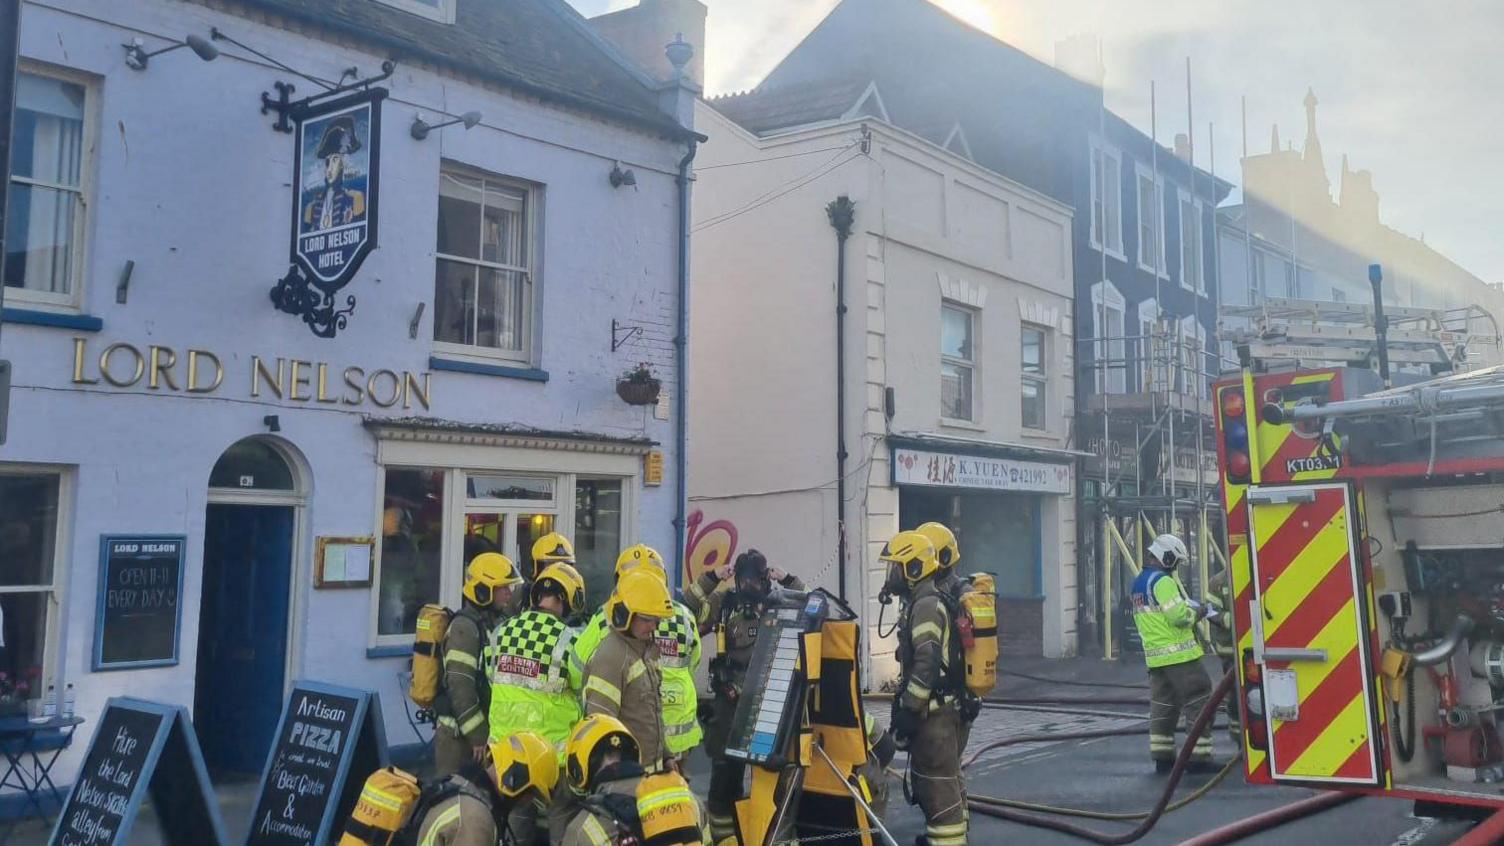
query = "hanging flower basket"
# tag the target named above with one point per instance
(639, 386)
(639, 393)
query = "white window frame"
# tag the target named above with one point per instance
(61, 552)
(1148, 321)
(1191, 335)
(532, 210)
(1041, 379)
(456, 461)
(443, 13)
(973, 316)
(1100, 153)
(1156, 223)
(1197, 208)
(1116, 376)
(71, 302)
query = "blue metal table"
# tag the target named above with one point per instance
(28, 765)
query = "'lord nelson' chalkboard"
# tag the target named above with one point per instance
(139, 609)
(140, 748)
(328, 741)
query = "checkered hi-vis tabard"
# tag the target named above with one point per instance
(676, 637)
(531, 650)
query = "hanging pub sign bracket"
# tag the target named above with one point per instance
(286, 108)
(335, 200)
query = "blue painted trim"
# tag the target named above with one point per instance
(531, 374)
(411, 756)
(1038, 510)
(1038, 597)
(96, 665)
(15, 805)
(81, 322)
(388, 651)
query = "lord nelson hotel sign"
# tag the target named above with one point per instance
(202, 372)
(943, 469)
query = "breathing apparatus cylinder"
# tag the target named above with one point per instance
(978, 624)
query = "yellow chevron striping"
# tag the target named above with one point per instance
(1336, 744)
(1283, 599)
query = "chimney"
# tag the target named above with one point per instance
(1182, 146)
(641, 32)
(1081, 57)
(1357, 196)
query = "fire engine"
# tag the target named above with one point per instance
(1365, 539)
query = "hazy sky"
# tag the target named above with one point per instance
(1409, 90)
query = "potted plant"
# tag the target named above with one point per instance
(639, 386)
(14, 693)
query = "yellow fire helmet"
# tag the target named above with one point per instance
(914, 555)
(561, 577)
(944, 541)
(638, 593)
(587, 746)
(550, 548)
(639, 556)
(527, 767)
(487, 572)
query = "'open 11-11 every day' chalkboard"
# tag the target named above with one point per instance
(139, 608)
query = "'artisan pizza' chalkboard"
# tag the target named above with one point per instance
(140, 585)
(330, 738)
(140, 748)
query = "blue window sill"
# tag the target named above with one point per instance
(531, 374)
(388, 651)
(81, 322)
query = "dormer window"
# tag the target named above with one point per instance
(435, 10)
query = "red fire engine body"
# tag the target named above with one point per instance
(1365, 532)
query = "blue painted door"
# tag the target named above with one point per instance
(242, 636)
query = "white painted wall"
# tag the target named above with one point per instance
(192, 184)
(762, 442)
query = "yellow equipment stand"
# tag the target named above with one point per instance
(799, 795)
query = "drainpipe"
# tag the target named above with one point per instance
(842, 212)
(681, 364)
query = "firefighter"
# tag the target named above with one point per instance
(534, 686)
(1166, 619)
(928, 717)
(469, 808)
(1219, 597)
(678, 639)
(622, 678)
(619, 803)
(549, 549)
(460, 711)
(730, 600)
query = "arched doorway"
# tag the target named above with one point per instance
(256, 492)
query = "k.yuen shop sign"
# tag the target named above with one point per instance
(203, 372)
(943, 469)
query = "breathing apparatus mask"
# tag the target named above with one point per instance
(753, 584)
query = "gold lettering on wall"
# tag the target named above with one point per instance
(78, 363)
(162, 369)
(259, 371)
(162, 360)
(139, 367)
(219, 372)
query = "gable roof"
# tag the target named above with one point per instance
(542, 48)
(765, 109)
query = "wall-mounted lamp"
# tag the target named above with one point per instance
(421, 128)
(272, 423)
(620, 177)
(136, 56)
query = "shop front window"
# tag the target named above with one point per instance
(997, 532)
(530, 527)
(28, 548)
(597, 535)
(412, 535)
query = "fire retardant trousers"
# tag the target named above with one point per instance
(1173, 690)
(935, 776)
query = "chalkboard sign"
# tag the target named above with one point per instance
(140, 748)
(139, 612)
(328, 741)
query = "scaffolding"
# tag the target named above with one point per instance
(1158, 470)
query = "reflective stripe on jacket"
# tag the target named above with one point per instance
(1165, 619)
(534, 685)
